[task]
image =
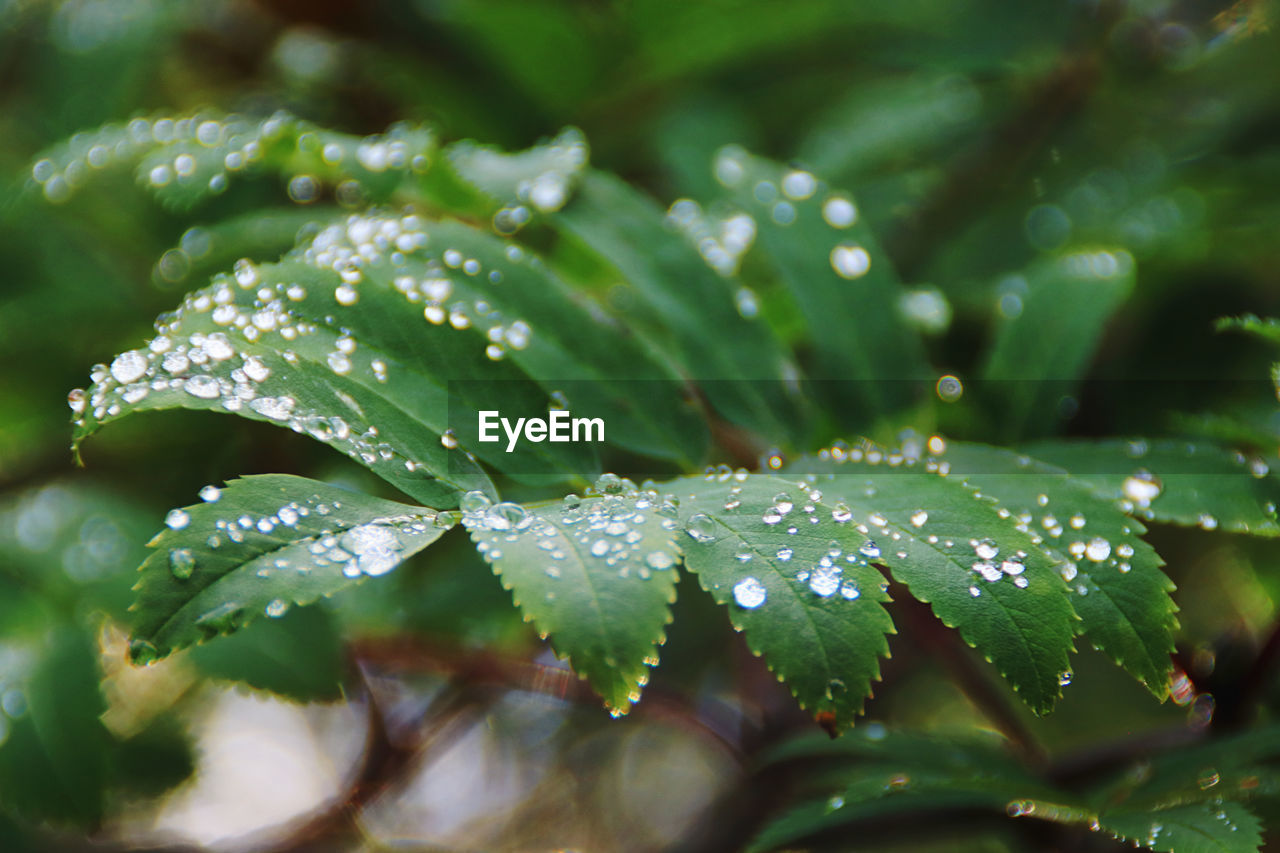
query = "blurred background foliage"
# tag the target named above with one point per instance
(979, 136)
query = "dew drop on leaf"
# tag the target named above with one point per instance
(749, 593)
(850, 260)
(701, 528)
(839, 212)
(1098, 549)
(1142, 487)
(182, 562)
(177, 519)
(474, 502)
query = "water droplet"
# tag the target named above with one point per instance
(600, 547)
(277, 608)
(609, 484)
(825, 580)
(203, 387)
(1142, 487)
(839, 212)
(1207, 522)
(784, 554)
(869, 549)
(701, 528)
(1098, 549)
(918, 518)
(1064, 678)
(749, 593)
(129, 367)
(659, 560)
(474, 502)
(841, 513)
(950, 389)
(507, 516)
(182, 562)
(376, 548)
(1208, 778)
(850, 260)
(986, 549)
(177, 519)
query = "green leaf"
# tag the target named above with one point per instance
(569, 345)
(542, 177)
(957, 552)
(674, 298)
(1188, 483)
(803, 593)
(335, 342)
(878, 775)
(186, 159)
(1228, 827)
(53, 747)
(1121, 595)
(261, 545)
(596, 574)
(1052, 317)
(740, 363)
(298, 655)
(880, 124)
(1267, 329)
(842, 281)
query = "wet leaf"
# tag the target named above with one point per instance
(596, 575)
(1118, 589)
(263, 544)
(804, 594)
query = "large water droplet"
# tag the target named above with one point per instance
(129, 367)
(749, 593)
(850, 260)
(701, 528)
(825, 580)
(177, 519)
(376, 548)
(1142, 487)
(1098, 549)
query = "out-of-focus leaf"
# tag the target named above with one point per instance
(1052, 317)
(870, 361)
(1200, 828)
(875, 775)
(882, 123)
(298, 655)
(53, 756)
(1191, 483)
(674, 299)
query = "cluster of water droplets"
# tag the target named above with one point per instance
(781, 199)
(720, 240)
(369, 547)
(616, 526)
(259, 322)
(541, 179)
(198, 154)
